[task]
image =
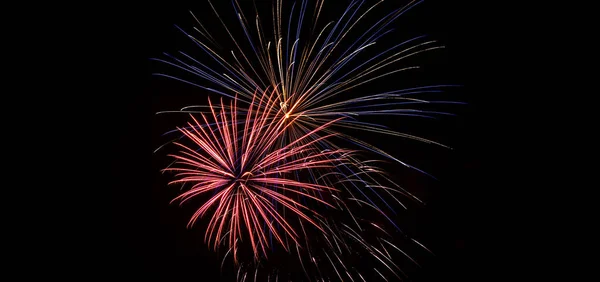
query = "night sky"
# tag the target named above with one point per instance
(151, 242)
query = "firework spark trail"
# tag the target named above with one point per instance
(338, 256)
(247, 171)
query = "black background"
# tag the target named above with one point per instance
(148, 236)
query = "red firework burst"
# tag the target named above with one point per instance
(241, 164)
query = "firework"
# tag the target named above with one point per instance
(313, 77)
(274, 149)
(240, 164)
